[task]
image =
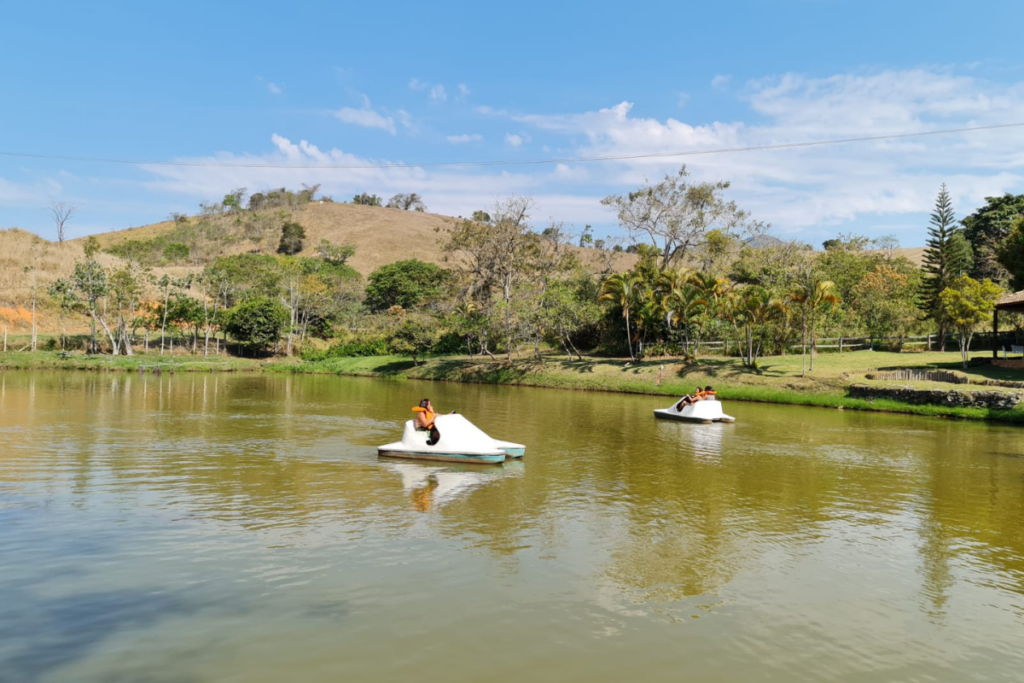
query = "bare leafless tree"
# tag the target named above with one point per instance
(62, 213)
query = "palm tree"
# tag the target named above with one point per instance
(811, 295)
(681, 305)
(755, 309)
(622, 290)
(711, 289)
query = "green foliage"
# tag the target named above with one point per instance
(176, 251)
(352, 348)
(986, 229)
(404, 283)
(335, 253)
(249, 276)
(365, 199)
(1011, 254)
(414, 337)
(884, 300)
(257, 324)
(965, 305)
(943, 258)
(292, 236)
(481, 217)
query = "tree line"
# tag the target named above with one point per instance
(704, 270)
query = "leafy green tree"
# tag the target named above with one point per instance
(966, 304)
(986, 229)
(587, 237)
(481, 217)
(884, 300)
(1011, 254)
(62, 292)
(943, 260)
(292, 236)
(335, 253)
(404, 283)
(176, 251)
(569, 307)
(415, 336)
(257, 324)
(89, 282)
(365, 199)
(234, 200)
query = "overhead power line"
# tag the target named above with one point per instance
(514, 162)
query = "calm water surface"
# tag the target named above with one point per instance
(241, 528)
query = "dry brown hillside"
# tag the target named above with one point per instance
(380, 235)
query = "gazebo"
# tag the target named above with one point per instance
(1013, 303)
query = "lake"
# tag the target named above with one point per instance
(195, 528)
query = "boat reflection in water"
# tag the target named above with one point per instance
(431, 487)
(703, 441)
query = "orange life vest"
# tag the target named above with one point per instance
(430, 415)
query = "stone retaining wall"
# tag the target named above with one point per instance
(954, 398)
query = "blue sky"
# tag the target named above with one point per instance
(364, 83)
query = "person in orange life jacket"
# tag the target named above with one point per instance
(709, 394)
(689, 399)
(425, 416)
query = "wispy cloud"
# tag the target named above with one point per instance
(463, 90)
(274, 89)
(435, 91)
(804, 191)
(367, 117)
(721, 82)
(464, 138)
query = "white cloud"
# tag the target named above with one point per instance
(721, 82)
(464, 138)
(274, 89)
(682, 100)
(804, 191)
(436, 91)
(368, 117)
(801, 188)
(463, 89)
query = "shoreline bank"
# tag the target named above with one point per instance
(732, 382)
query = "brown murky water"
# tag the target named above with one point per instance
(241, 528)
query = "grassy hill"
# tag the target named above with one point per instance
(380, 235)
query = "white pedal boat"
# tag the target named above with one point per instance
(461, 441)
(706, 411)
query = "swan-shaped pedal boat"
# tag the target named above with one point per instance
(461, 441)
(706, 411)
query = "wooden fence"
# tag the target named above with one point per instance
(920, 375)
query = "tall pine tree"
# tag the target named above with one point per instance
(946, 256)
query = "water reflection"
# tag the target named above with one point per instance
(432, 487)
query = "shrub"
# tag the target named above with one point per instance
(176, 251)
(292, 235)
(257, 324)
(351, 348)
(404, 283)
